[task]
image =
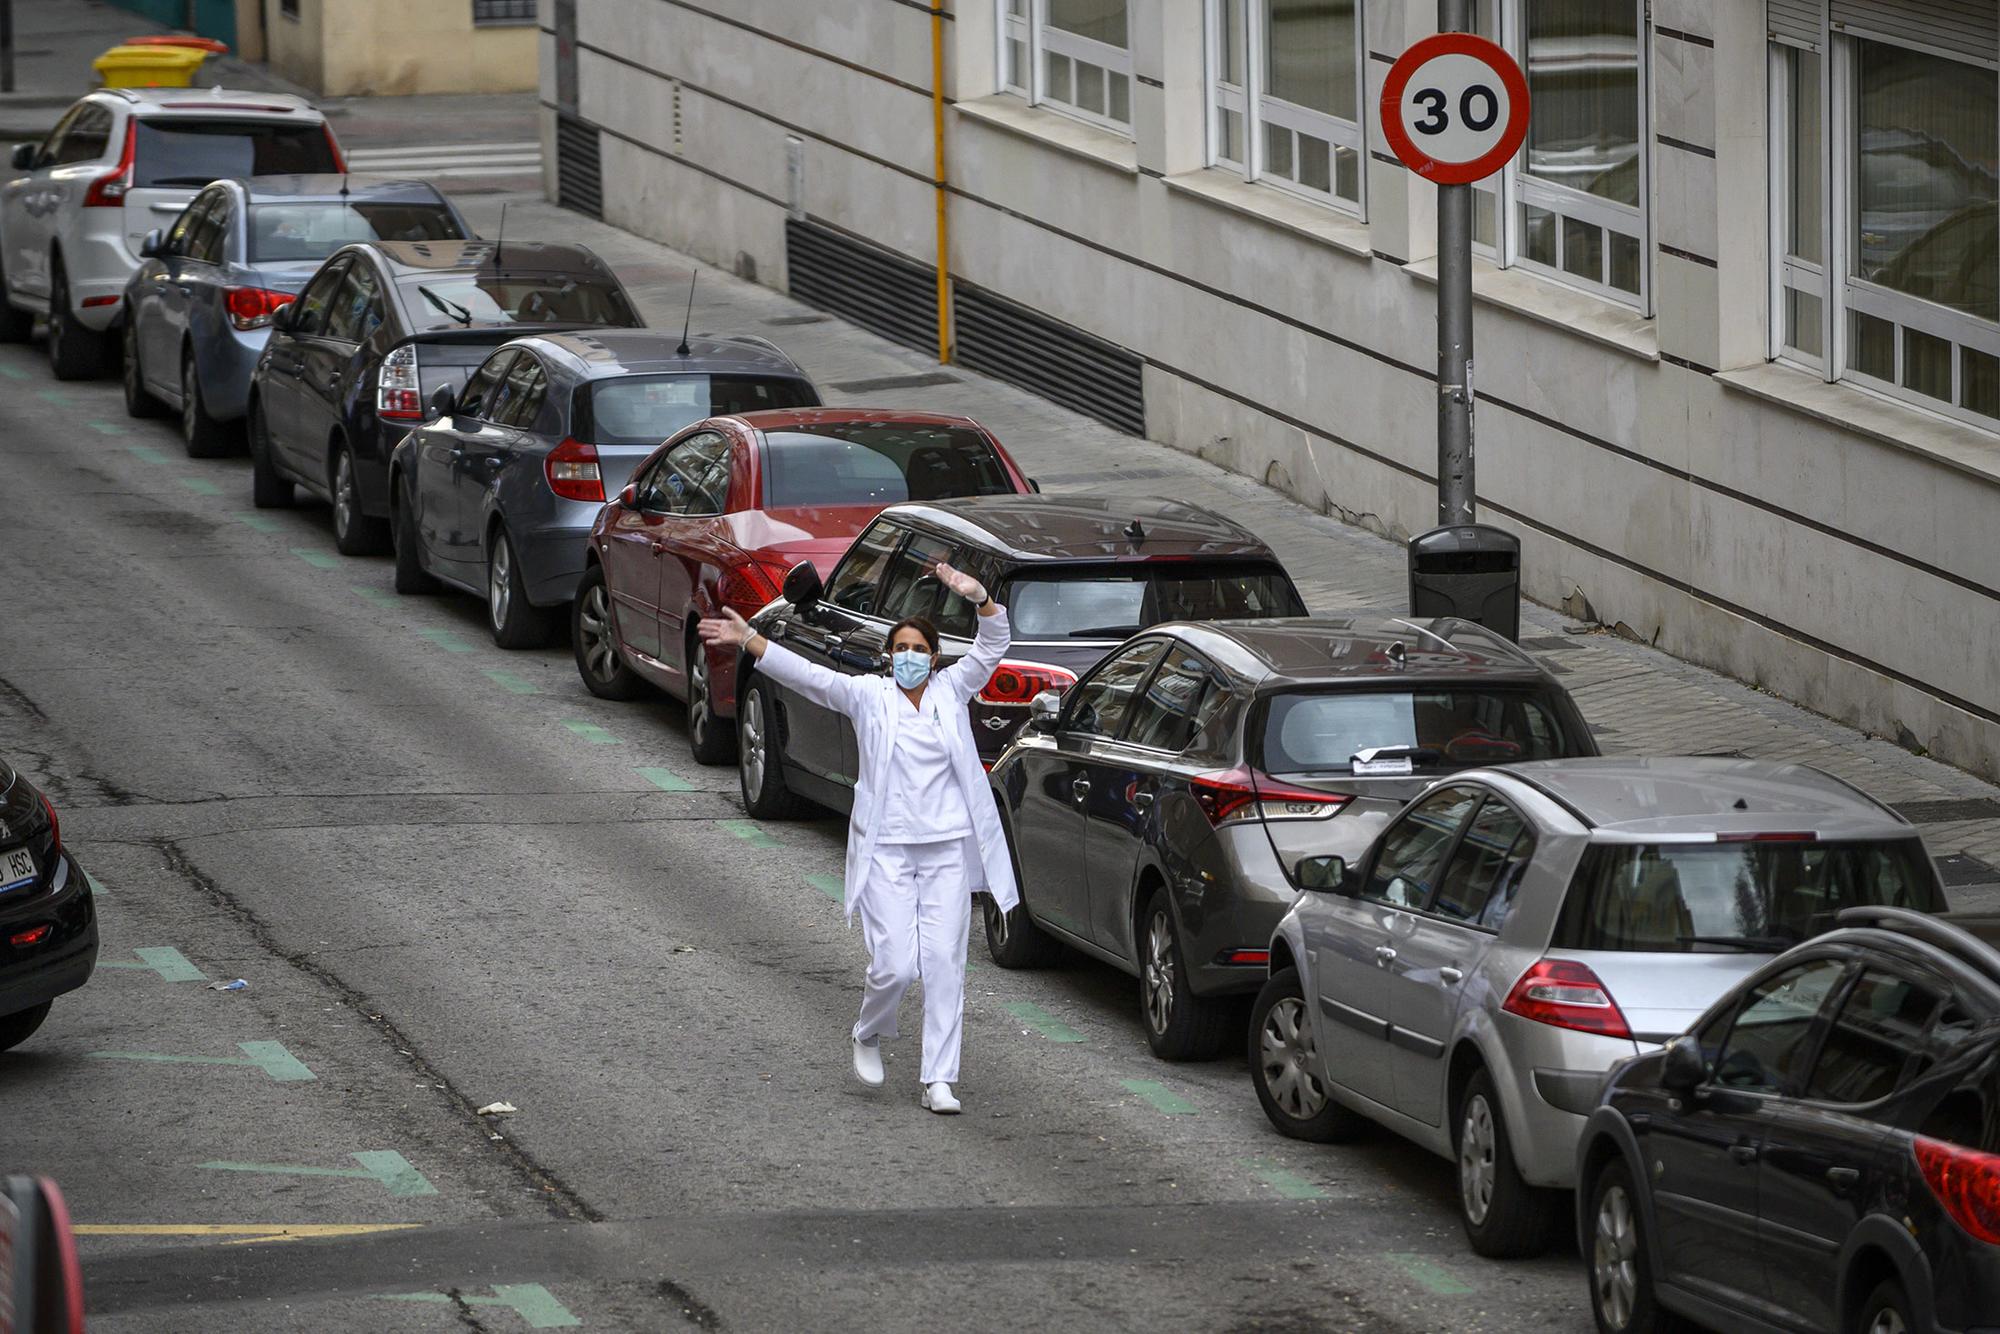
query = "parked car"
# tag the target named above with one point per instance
(48, 920)
(1515, 933)
(119, 163)
(1820, 1152)
(721, 512)
(1078, 575)
(1155, 815)
(198, 308)
(497, 493)
(373, 337)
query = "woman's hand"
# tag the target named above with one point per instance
(961, 583)
(728, 629)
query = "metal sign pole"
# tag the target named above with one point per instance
(1454, 208)
(6, 46)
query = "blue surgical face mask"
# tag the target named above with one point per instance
(912, 667)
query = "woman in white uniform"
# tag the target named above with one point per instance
(924, 836)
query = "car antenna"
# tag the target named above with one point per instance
(1399, 657)
(687, 321)
(1135, 532)
(343, 185)
(501, 239)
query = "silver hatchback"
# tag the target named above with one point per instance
(1515, 933)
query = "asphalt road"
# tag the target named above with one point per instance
(452, 877)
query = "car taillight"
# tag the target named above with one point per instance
(1238, 794)
(398, 392)
(1966, 1182)
(253, 307)
(55, 825)
(109, 191)
(333, 147)
(748, 587)
(571, 468)
(1016, 682)
(1566, 994)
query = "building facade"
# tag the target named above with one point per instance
(392, 48)
(1738, 309)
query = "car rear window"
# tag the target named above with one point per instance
(195, 152)
(1705, 898)
(520, 298)
(1320, 731)
(1096, 603)
(844, 464)
(317, 228)
(646, 409)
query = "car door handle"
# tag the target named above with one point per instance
(1450, 975)
(1142, 800)
(1743, 1153)
(1384, 953)
(1843, 1179)
(1081, 788)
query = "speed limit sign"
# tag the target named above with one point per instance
(1455, 108)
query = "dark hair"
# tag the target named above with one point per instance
(921, 624)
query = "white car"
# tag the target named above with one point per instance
(121, 162)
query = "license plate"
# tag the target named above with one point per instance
(17, 865)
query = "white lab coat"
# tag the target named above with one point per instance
(876, 706)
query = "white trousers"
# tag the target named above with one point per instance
(915, 917)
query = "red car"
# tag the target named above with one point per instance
(718, 514)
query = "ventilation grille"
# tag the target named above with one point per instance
(880, 290)
(1967, 28)
(1797, 21)
(579, 166)
(1013, 343)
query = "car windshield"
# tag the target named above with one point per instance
(1102, 604)
(852, 464)
(523, 298)
(1704, 898)
(1321, 731)
(646, 409)
(315, 229)
(195, 152)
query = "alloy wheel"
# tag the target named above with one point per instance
(751, 729)
(1614, 1263)
(499, 581)
(1286, 1050)
(593, 619)
(58, 302)
(189, 389)
(1476, 1169)
(699, 715)
(135, 384)
(996, 923)
(1159, 977)
(1888, 1320)
(343, 495)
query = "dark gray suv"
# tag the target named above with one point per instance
(1158, 813)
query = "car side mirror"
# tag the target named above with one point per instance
(1034, 486)
(23, 156)
(802, 585)
(629, 497)
(1328, 875)
(1043, 711)
(285, 316)
(153, 245)
(1682, 1070)
(444, 403)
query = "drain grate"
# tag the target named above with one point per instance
(1959, 869)
(1941, 812)
(894, 382)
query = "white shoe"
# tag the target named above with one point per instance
(937, 1098)
(868, 1062)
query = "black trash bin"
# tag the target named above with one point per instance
(1470, 571)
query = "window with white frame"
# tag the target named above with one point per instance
(1072, 55)
(1888, 229)
(1285, 94)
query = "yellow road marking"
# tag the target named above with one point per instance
(239, 1234)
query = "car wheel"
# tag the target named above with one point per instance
(598, 661)
(760, 768)
(75, 352)
(204, 436)
(268, 491)
(1504, 1216)
(514, 621)
(354, 533)
(139, 401)
(411, 577)
(16, 326)
(19, 1026)
(712, 739)
(1180, 1026)
(1622, 1296)
(1284, 1066)
(1887, 1310)
(1012, 938)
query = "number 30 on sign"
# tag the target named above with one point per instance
(1455, 108)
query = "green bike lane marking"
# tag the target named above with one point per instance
(510, 682)
(58, 396)
(147, 454)
(1286, 1182)
(1035, 1017)
(1162, 1099)
(376, 596)
(749, 832)
(13, 372)
(96, 885)
(168, 962)
(201, 486)
(591, 732)
(107, 428)
(833, 886)
(319, 560)
(392, 1170)
(270, 1057)
(535, 1304)
(262, 523)
(447, 640)
(664, 779)
(1428, 1275)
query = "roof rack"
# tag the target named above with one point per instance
(1929, 928)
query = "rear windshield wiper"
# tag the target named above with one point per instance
(1754, 944)
(1104, 632)
(176, 180)
(451, 308)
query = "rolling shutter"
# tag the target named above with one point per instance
(1964, 29)
(878, 289)
(1011, 342)
(1797, 21)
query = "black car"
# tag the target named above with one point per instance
(1820, 1152)
(1157, 817)
(48, 920)
(375, 334)
(1077, 574)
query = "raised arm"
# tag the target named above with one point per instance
(966, 677)
(821, 685)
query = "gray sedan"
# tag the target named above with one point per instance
(199, 307)
(496, 492)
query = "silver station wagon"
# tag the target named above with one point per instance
(1515, 933)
